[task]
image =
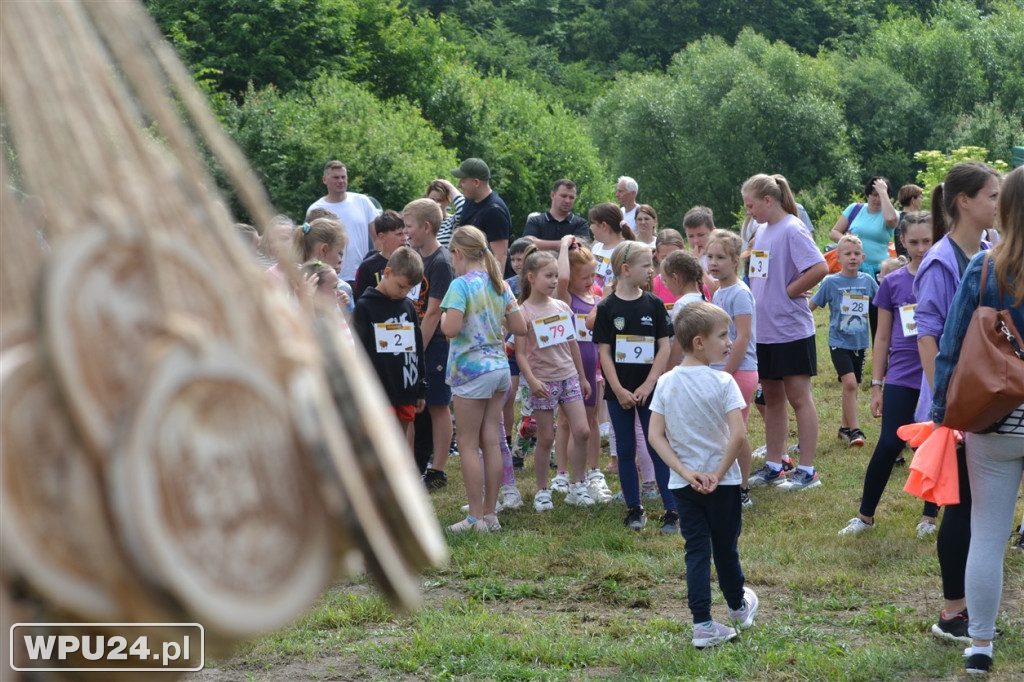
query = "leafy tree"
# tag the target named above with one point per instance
(937, 165)
(721, 114)
(391, 152)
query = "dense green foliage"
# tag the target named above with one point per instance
(688, 97)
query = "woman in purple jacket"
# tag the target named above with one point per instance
(963, 207)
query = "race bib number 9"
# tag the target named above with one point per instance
(583, 335)
(634, 350)
(759, 264)
(907, 319)
(394, 337)
(854, 304)
(553, 330)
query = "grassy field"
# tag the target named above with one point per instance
(571, 594)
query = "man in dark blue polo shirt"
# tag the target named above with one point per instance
(484, 208)
(547, 229)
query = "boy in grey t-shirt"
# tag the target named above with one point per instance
(697, 429)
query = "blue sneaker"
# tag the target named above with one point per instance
(801, 480)
(767, 476)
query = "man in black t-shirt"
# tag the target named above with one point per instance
(484, 209)
(547, 229)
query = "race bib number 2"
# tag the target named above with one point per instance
(553, 330)
(394, 337)
(634, 350)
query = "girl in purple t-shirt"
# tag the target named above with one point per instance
(896, 374)
(784, 265)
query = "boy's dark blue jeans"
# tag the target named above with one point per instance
(710, 525)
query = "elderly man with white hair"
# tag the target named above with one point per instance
(625, 193)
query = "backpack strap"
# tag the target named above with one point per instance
(853, 215)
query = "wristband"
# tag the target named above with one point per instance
(876, 382)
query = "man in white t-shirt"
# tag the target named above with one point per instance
(625, 193)
(356, 213)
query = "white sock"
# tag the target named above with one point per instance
(971, 650)
(809, 470)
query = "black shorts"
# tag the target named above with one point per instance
(775, 361)
(846, 361)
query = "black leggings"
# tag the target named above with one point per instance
(423, 440)
(955, 536)
(898, 403)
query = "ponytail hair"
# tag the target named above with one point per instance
(774, 186)
(534, 259)
(963, 178)
(320, 231)
(609, 214)
(473, 245)
(579, 255)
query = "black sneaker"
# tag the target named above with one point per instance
(900, 461)
(857, 438)
(636, 518)
(517, 462)
(844, 434)
(979, 664)
(670, 523)
(435, 480)
(953, 628)
(745, 500)
(1019, 542)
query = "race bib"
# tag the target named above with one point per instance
(670, 306)
(759, 264)
(634, 350)
(553, 330)
(394, 337)
(907, 319)
(854, 304)
(583, 335)
(414, 293)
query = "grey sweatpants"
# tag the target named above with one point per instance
(994, 463)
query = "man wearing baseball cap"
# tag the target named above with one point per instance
(484, 208)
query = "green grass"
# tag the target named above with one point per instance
(571, 594)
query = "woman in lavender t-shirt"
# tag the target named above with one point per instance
(963, 207)
(785, 264)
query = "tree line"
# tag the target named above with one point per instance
(688, 97)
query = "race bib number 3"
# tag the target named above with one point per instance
(759, 264)
(583, 335)
(907, 319)
(553, 330)
(394, 337)
(854, 304)
(634, 350)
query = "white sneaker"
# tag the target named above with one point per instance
(598, 486)
(542, 500)
(560, 483)
(760, 452)
(711, 634)
(579, 496)
(510, 497)
(924, 529)
(743, 618)
(856, 525)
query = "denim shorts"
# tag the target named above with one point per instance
(565, 391)
(485, 385)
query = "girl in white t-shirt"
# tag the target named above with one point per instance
(682, 273)
(609, 231)
(550, 363)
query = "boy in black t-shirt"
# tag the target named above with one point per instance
(392, 234)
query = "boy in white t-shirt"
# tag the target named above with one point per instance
(697, 429)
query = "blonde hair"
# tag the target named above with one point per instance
(1009, 253)
(774, 186)
(625, 254)
(472, 244)
(424, 211)
(697, 319)
(849, 239)
(580, 255)
(320, 231)
(891, 265)
(263, 245)
(730, 241)
(534, 260)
